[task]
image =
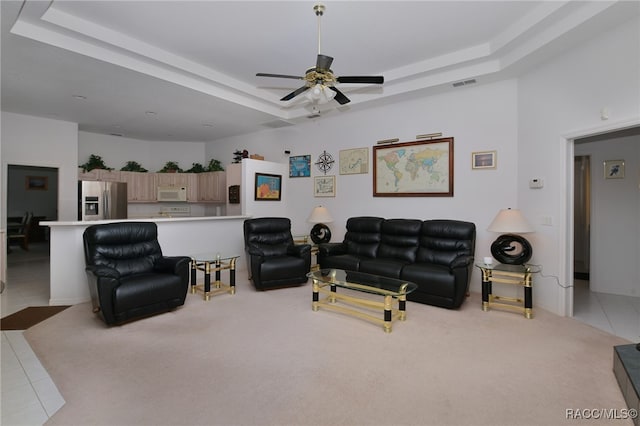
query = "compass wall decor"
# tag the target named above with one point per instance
(325, 162)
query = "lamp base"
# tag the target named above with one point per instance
(511, 249)
(320, 233)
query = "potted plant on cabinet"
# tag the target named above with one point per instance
(170, 167)
(215, 166)
(133, 166)
(94, 162)
(196, 168)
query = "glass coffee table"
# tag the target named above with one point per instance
(392, 290)
(213, 262)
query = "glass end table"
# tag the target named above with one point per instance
(213, 262)
(519, 275)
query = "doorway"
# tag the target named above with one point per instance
(33, 191)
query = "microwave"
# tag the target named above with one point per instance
(172, 193)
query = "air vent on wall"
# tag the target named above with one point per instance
(464, 83)
(277, 124)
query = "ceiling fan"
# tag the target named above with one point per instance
(320, 79)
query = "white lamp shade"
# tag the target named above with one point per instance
(320, 215)
(320, 94)
(510, 221)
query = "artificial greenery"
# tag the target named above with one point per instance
(133, 166)
(94, 162)
(215, 166)
(196, 168)
(169, 167)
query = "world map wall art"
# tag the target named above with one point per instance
(414, 169)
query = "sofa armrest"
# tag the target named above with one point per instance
(461, 262)
(332, 249)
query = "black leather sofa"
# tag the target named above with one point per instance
(128, 275)
(437, 255)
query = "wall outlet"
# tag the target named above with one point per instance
(546, 221)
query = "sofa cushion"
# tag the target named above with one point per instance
(431, 278)
(442, 241)
(363, 235)
(348, 262)
(386, 267)
(399, 239)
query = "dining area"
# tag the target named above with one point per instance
(18, 231)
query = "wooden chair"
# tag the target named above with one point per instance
(21, 233)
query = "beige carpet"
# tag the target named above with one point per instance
(265, 358)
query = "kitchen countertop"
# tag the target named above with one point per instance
(141, 219)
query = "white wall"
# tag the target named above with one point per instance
(479, 118)
(559, 98)
(42, 142)
(615, 213)
(116, 151)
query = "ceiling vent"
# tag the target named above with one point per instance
(277, 124)
(464, 83)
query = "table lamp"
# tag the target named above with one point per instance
(320, 232)
(510, 248)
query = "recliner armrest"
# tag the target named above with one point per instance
(299, 250)
(102, 271)
(332, 249)
(172, 264)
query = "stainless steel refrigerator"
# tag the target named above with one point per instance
(99, 200)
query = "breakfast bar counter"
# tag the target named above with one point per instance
(177, 237)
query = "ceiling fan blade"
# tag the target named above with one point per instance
(340, 97)
(371, 79)
(295, 93)
(323, 62)
(261, 74)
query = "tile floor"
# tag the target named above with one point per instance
(29, 397)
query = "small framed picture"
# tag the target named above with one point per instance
(300, 166)
(483, 160)
(268, 187)
(324, 186)
(614, 169)
(37, 183)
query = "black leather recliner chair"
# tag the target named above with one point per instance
(274, 260)
(127, 273)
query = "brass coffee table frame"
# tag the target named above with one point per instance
(393, 307)
(214, 264)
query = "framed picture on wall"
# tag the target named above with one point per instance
(268, 187)
(37, 183)
(324, 186)
(483, 160)
(414, 169)
(614, 169)
(300, 166)
(354, 161)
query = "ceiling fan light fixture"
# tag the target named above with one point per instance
(320, 94)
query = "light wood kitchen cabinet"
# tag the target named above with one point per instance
(141, 187)
(212, 187)
(172, 179)
(100, 174)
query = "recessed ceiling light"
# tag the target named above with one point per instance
(151, 113)
(207, 124)
(79, 97)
